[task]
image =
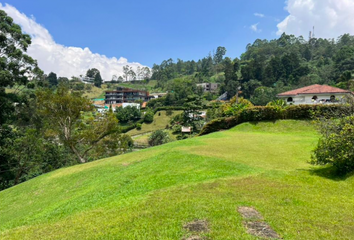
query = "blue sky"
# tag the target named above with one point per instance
(71, 36)
(151, 31)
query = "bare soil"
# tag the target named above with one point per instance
(249, 213)
(197, 226)
(255, 225)
(260, 229)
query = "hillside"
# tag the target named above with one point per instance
(153, 193)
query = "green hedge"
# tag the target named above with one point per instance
(270, 113)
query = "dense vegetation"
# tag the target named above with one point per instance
(152, 193)
(265, 69)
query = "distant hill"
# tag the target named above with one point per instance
(154, 193)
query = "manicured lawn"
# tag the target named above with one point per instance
(152, 193)
(161, 119)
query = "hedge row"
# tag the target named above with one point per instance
(270, 113)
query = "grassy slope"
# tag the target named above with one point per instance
(159, 122)
(150, 194)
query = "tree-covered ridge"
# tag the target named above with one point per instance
(268, 67)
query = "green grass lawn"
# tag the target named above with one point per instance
(144, 139)
(160, 122)
(152, 193)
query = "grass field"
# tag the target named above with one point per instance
(152, 193)
(144, 139)
(161, 119)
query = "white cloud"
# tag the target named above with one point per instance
(259, 15)
(255, 28)
(64, 61)
(331, 18)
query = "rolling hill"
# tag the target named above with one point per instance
(154, 193)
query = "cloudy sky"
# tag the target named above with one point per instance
(69, 37)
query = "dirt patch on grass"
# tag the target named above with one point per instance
(255, 225)
(197, 226)
(194, 238)
(249, 213)
(260, 229)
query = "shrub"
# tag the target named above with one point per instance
(149, 117)
(336, 145)
(138, 126)
(158, 137)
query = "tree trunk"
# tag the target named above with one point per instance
(81, 159)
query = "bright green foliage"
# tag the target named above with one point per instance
(149, 116)
(277, 103)
(158, 137)
(233, 108)
(336, 145)
(152, 193)
(62, 112)
(15, 65)
(129, 113)
(262, 96)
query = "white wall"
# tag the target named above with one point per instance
(307, 99)
(137, 105)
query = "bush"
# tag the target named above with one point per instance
(158, 137)
(149, 117)
(336, 145)
(138, 126)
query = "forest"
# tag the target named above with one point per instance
(266, 68)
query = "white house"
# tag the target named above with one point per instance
(315, 94)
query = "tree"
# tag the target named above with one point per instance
(263, 95)
(63, 111)
(15, 66)
(220, 52)
(158, 137)
(98, 80)
(127, 114)
(149, 116)
(91, 73)
(126, 71)
(52, 79)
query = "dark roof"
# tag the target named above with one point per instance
(314, 89)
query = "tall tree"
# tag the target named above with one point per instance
(62, 112)
(220, 52)
(52, 79)
(16, 68)
(126, 71)
(91, 73)
(98, 80)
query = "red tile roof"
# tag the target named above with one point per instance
(314, 89)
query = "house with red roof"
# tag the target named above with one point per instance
(315, 94)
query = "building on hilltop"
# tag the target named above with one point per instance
(209, 87)
(315, 94)
(126, 95)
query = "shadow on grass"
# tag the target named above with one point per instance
(330, 172)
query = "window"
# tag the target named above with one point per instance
(290, 99)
